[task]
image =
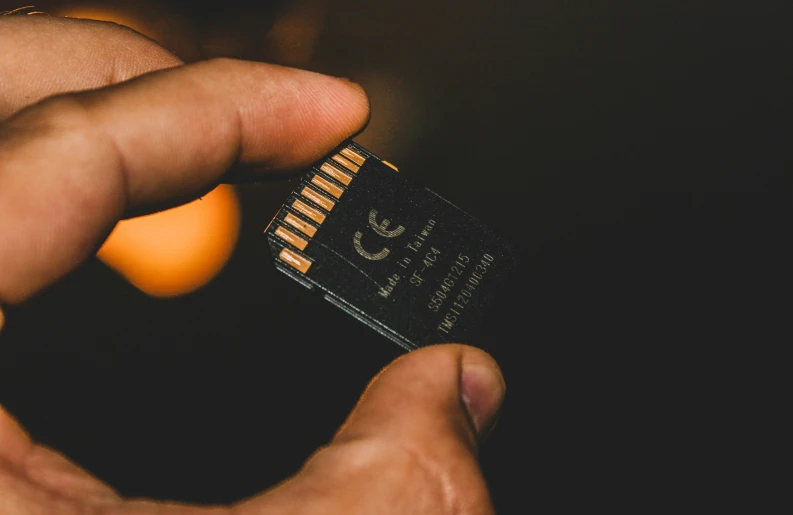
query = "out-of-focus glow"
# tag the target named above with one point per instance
(176, 251)
(179, 250)
(2, 319)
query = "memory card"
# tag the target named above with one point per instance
(394, 255)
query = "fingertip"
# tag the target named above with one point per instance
(341, 111)
(352, 98)
(361, 108)
(482, 390)
(481, 386)
(441, 389)
(292, 117)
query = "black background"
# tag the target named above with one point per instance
(638, 152)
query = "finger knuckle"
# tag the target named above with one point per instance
(66, 126)
(65, 120)
(70, 112)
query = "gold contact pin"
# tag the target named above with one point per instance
(317, 199)
(336, 173)
(309, 211)
(353, 156)
(327, 186)
(295, 260)
(390, 166)
(290, 237)
(300, 225)
(346, 163)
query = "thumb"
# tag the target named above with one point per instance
(409, 446)
(444, 391)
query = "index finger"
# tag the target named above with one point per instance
(72, 166)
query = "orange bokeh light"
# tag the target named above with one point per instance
(179, 250)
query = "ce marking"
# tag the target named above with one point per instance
(380, 229)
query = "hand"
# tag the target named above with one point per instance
(72, 165)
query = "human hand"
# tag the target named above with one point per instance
(71, 166)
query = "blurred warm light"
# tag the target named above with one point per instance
(179, 250)
(2, 319)
(176, 251)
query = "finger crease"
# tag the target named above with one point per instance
(445, 483)
(239, 125)
(122, 168)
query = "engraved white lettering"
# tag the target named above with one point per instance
(418, 239)
(386, 291)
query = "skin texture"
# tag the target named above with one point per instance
(98, 123)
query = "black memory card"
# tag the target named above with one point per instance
(397, 257)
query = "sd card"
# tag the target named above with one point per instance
(396, 256)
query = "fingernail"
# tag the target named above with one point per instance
(482, 388)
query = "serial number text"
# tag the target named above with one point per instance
(462, 297)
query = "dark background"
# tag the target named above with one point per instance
(639, 153)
